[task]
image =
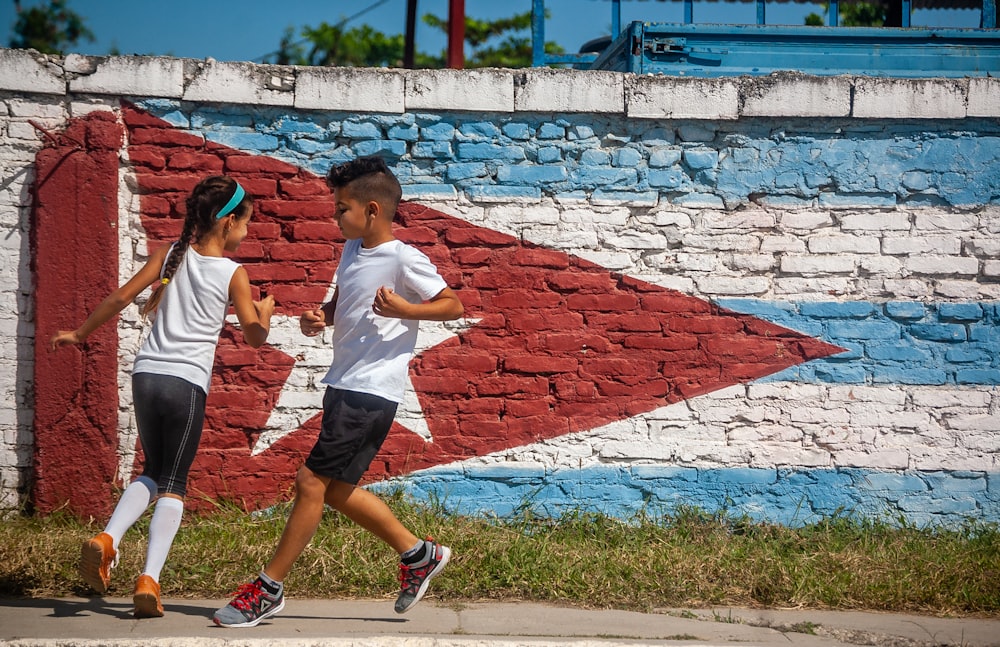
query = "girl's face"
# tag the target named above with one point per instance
(237, 229)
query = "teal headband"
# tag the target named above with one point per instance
(237, 198)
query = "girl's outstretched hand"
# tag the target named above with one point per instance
(64, 338)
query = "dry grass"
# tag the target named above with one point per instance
(687, 559)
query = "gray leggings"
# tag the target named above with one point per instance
(170, 413)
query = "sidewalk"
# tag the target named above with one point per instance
(108, 622)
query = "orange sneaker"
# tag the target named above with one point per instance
(97, 558)
(147, 598)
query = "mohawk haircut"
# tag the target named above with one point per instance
(368, 179)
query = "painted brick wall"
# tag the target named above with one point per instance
(773, 296)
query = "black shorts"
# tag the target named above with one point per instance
(354, 427)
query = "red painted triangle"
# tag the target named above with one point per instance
(563, 345)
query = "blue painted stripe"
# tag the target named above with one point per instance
(890, 343)
(778, 495)
(914, 166)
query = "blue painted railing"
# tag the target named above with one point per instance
(719, 50)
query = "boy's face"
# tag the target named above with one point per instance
(353, 216)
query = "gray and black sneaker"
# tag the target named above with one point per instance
(251, 603)
(414, 578)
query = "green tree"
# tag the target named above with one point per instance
(50, 28)
(511, 51)
(363, 46)
(878, 13)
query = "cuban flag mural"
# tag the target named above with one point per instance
(784, 325)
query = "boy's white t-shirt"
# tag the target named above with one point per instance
(188, 320)
(371, 354)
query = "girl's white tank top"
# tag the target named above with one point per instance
(188, 320)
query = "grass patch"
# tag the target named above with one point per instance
(685, 559)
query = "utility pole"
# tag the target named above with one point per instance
(410, 40)
(456, 34)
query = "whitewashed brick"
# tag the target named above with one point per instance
(835, 244)
(881, 459)
(350, 89)
(636, 240)
(813, 288)
(893, 397)
(819, 415)
(789, 94)
(991, 268)
(670, 97)
(875, 222)
(777, 244)
(23, 130)
(542, 89)
(609, 260)
(671, 219)
(241, 82)
(921, 245)
(752, 262)
(486, 90)
(947, 221)
(888, 98)
(945, 265)
(134, 76)
(37, 110)
(805, 219)
(737, 220)
(777, 454)
(970, 289)
(697, 262)
(980, 246)
(790, 391)
(509, 216)
(796, 264)
(973, 423)
(733, 286)
(84, 108)
(938, 399)
(612, 217)
(880, 265)
(725, 242)
(909, 288)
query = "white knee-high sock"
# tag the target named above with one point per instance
(162, 529)
(135, 499)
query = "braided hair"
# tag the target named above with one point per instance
(205, 201)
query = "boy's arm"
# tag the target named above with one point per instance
(444, 306)
(312, 322)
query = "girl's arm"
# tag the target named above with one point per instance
(254, 316)
(114, 302)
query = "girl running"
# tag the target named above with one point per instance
(170, 378)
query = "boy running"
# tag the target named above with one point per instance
(383, 289)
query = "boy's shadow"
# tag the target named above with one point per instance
(121, 609)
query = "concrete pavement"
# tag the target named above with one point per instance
(108, 622)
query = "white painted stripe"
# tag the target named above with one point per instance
(786, 424)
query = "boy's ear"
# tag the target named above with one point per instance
(374, 209)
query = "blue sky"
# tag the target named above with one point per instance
(246, 30)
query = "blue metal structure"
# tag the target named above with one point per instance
(690, 49)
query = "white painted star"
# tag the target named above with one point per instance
(301, 395)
